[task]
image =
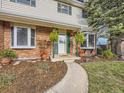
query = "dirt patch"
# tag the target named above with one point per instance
(33, 77)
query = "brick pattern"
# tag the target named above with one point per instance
(1, 35)
(42, 33)
(7, 35)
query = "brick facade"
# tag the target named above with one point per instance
(42, 33)
(1, 35)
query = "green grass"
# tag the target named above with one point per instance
(105, 77)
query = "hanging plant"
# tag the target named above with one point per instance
(54, 37)
(79, 38)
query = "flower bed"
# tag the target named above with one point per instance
(32, 77)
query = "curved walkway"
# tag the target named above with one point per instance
(75, 80)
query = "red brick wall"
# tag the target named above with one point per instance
(1, 35)
(7, 36)
(42, 33)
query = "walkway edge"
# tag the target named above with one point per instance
(74, 81)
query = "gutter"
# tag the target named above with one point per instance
(73, 3)
(36, 18)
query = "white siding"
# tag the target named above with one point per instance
(45, 9)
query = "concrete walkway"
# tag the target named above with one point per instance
(75, 80)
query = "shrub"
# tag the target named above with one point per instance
(108, 54)
(8, 53)
(44, 66)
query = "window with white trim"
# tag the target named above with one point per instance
(89, 42)
(63, 8)
(26, 2)
(22, 37)
(81, 1)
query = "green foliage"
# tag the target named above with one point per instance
(119, 28)
(6, 80)
(54, 35)
(107, 54)
(8, 53)
(44, 66)
(106, 12)
(79, 37)
(105, 77)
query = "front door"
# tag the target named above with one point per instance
(62, 44)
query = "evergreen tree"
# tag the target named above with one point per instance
(108, 13)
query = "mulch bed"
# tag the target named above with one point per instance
(98, 59)
(33, 77)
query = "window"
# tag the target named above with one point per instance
(81, 1)
(63, 8)
(84, 14)
(89, 42)
(22, 37)
(27, 2)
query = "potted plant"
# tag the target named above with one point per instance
(79, 37)
(54, 37)
(44, 50)
(6, 56)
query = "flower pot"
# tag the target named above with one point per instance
(5, 61)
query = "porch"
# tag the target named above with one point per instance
(64, 57)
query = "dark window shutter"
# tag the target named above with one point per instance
(59, 7)
(33, 3)
(12, 36)
(84, 14)
(55, 49)
(32, 37)
(68, 42)
(70, 10)
(12, 0)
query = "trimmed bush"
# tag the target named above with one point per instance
(7, 53)
(108, 54)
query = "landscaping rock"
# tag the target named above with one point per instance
(17, 63)
(1, 66)
(33, 61)
(6, 61)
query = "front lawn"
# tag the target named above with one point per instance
(105, 77)
(31, 77)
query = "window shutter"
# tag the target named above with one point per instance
(59, 7)
(68, 42)
(12, 36)
(84, 14)
(55, 49)
(70, 10)
(33, 3)
(32, 37)
(12, 0)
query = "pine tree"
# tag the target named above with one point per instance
(106, 12)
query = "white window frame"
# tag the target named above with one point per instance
(25, 3)
(62, 4)
(29, 38)
(87, 41)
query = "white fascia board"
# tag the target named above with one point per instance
(36, 18)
